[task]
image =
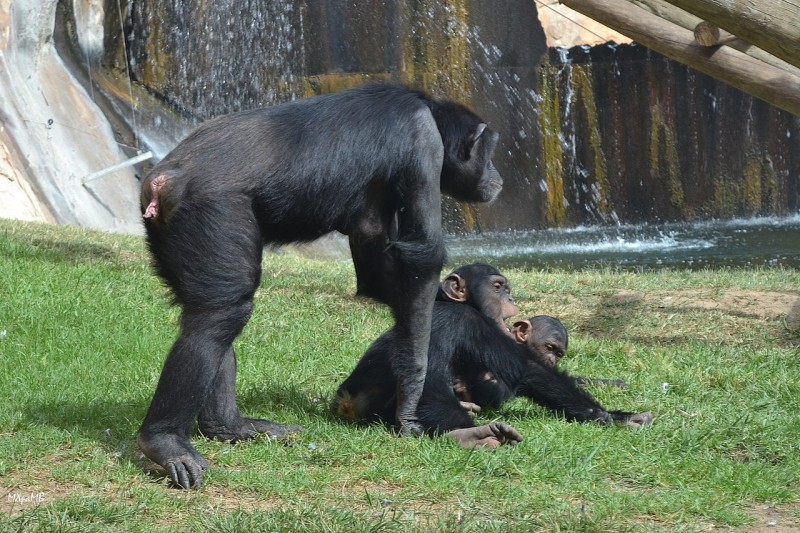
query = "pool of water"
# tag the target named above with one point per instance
(756, 242)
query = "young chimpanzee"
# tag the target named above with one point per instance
(371, 163)
(470, 341)
(368, 395)
(547, 341)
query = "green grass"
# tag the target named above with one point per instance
(85, 326)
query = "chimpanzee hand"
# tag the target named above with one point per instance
(471, 408)
(488, 436)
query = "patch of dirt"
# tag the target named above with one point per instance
(24, 492)
(20, 499)
(774, 519)
(38, 488)
(127, 256)
(754, 304)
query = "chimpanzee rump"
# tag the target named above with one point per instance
(369, 162)
(467, 343)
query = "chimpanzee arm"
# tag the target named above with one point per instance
(510, 363)
(556, 390)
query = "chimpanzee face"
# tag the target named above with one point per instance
(482, 287)
(549, 350)
(544, 336)
(470, 175)
(500, 299)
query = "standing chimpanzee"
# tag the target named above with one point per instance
(470, 341)
(369, 162)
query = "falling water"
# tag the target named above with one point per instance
(218, 57)
(609, 135)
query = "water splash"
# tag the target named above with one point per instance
(761, 241)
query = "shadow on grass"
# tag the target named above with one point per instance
(273, 397)
(54, 250)
(108, 423)
(113, 424)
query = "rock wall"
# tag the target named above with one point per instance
(53, 134)
(591, 134)
(633, 136)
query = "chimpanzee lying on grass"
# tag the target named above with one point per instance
(468, 343)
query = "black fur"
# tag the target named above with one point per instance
(369, 162)
(467, 343)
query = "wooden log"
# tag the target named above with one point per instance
(669, 12)
(706, 34)
(773, 25)
(687, 20)
(764, 81)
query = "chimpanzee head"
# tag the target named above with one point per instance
(482, 287)
(544, 336)
(468, 173)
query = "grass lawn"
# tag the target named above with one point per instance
(85, 327)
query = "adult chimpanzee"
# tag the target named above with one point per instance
(466, 342)
(369, 162)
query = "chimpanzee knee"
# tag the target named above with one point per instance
(220, 325)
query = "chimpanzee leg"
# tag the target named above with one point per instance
(419, 255)
(186, 379)
(209, 251)
(220, 418)
(369, 392)
(409, 363)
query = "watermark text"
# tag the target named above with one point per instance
(25, 497)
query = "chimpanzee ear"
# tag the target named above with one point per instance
(455, 288)
(521, 331)
(473, 139)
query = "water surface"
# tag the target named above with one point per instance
(756, 242)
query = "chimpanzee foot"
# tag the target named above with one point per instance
(176, 455)
(639, 419)
(488, 436)
(471, 408)
(410, 429)
(246, 428)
